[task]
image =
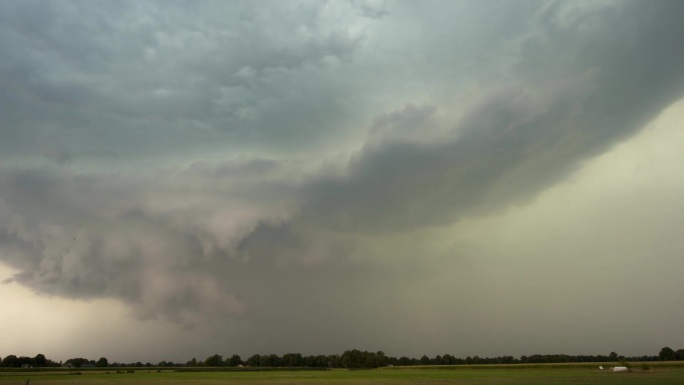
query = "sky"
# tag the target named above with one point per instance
(186, 178)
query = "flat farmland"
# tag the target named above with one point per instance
(497, 375)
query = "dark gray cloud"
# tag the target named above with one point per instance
(94, 76)
(586, 95)
(254, 163)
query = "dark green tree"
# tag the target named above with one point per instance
(234, 360)
(215, 360)
(667, 354)
(449, 359)
(293, 360)
(269, 360)
(102, 363)
(254, 360)
(77, 362)
(381, 358)
(333, 361)
(39, 360)
(679, 355)
(352, 359)
(23, 360)
(10, 361)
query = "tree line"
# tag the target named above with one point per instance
(350, 359)
(40, 361)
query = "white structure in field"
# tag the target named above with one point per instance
(620, 369)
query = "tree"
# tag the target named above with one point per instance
(273, 360)
(613, 356)
(352, 359)
(666, 354)
(679, 355)
(10, 361)
(102, 363)
(39, 360)
(215, 360)
(23, 360)
(77, 362)
(269, 360)
(333, 361)
(234, 360)
(254, 360)
(293, 360)
(381, 358)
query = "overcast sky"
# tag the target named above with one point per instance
(179, 179)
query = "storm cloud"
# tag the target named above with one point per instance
(281, 167)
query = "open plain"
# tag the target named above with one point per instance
(661, 374)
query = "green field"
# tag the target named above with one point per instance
(497, 375)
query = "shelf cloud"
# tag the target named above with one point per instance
(291, 167)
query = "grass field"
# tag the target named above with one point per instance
(497, 375)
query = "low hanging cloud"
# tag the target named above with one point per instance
(518, 140)
(198, 239)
